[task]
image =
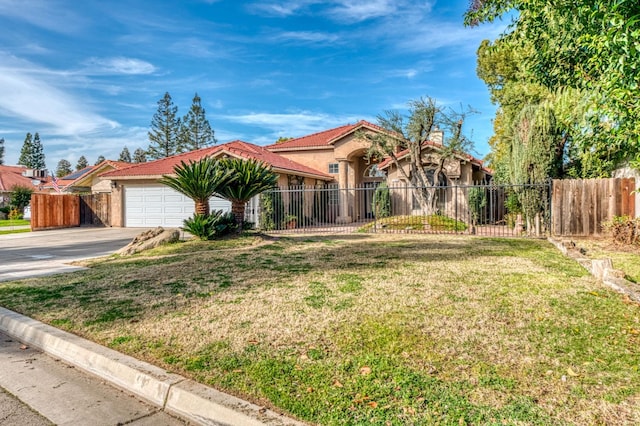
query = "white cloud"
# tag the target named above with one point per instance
(280, 8)
(47, 14)
(294, 124)
(118, 65)
(306, 37)
(361, 10)
(28, 96)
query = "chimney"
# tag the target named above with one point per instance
(436, 136)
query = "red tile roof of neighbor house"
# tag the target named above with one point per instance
(324, 138)
(239, 149)
(11, 176)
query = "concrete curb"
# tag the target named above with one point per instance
(170, 392)
(602, 269)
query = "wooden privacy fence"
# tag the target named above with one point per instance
(49, 211)
(580, 206)
(94, 209)
(54, 211)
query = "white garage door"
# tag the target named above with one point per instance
(158, 205)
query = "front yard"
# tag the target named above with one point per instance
(375, 329)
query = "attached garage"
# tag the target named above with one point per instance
(158, 205)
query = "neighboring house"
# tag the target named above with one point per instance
(139, 200)
(86, 181)
(342, 154)
(11, 176)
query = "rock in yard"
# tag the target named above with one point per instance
(150, 239)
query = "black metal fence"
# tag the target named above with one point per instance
(482, 209)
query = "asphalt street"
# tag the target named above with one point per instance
(39, 253)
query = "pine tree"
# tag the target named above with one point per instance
(1, 151)
(63, 169)
(37, 154)
(195, 132)
(25, 152)
(139, 156)
(99, 160)
(165, 129)
(82, 163)
(124, 155)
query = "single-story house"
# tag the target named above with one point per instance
(341, 153)
(139, 200)
(334, 158)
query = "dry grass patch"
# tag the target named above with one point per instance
(383, 329)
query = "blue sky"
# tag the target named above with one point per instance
(87, 75)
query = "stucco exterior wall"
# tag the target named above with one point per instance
(318, 159)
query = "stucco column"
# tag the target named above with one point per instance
(343, 185)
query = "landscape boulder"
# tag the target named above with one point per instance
(150, 239)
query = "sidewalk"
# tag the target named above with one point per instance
(58, 391)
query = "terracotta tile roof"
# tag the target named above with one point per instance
(322, 139)
(402, 154)
(11, 176)
(164, 166)
(76, 178)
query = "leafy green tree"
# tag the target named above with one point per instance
(63, 169)
(588, 48)
(99, 160)
(125, 156)
(37, 153)
(195, 131)
(1, 151)
(409, 133)
(199, 180)
(20, 197)
(139, 156)
(249, 178)
(165, 129)
(82, 163)
(26, 152)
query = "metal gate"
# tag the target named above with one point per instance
(482, 209)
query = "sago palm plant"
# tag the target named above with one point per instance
(250, 178)
(200, 180)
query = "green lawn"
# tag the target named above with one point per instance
(18, 222)
(13, 231)
(366, 329)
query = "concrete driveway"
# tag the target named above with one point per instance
(49, 252)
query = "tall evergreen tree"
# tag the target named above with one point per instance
(1, 151)
(139, 156)
(165, 129)
(37, 154)
(82, 163)
(25, 152)
(125, 155)
(63, 169)
(195, 132)
(99, 160)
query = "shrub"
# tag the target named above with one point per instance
(15, 214)
(20, 197)
(623, 229)
(477, 202)
(381, 201)
(215, 225)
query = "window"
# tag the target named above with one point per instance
(333, 168)
(373, 172)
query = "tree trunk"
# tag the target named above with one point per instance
(202, 208)
(237, 208)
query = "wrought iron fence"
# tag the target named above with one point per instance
(482, 209)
